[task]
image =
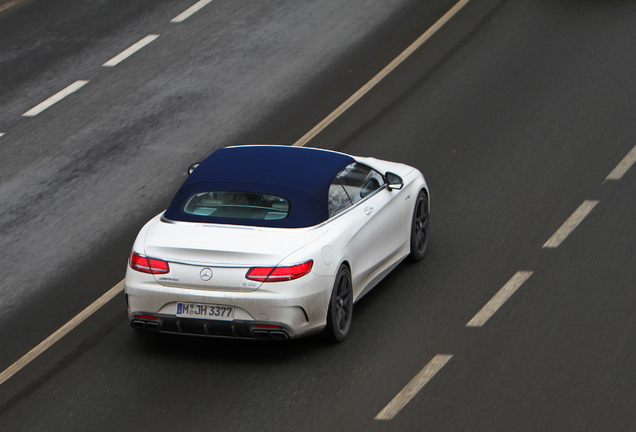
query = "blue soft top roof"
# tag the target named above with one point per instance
(302, 175)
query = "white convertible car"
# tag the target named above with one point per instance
(274, 242)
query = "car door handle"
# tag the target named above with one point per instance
(368, 210)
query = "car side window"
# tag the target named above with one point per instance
(360, 181)
(338, 198)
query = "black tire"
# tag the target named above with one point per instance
(419, 227)
(340, 309)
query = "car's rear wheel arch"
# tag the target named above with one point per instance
(428, 200)
(345, 263)
(348, 265)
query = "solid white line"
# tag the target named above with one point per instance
(383, 73)
(190, 11)
(44, 345)
(130, 50)
(499, 299)
(623, 166)
(55, 98)
(412, 388)
(569, 225)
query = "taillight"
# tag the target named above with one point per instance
(148, 265)
(279, 274)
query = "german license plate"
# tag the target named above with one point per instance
(205, 311)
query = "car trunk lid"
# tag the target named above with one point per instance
(217, 257)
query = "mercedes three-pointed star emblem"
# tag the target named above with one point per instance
(206, 274)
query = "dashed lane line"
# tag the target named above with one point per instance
(383, 73)
(499, 299)
(1, 134)
(623, 166)
(55, 98)
(61, 332)
(413, 387)
(190, 11)
(130, 51)
(570, 224)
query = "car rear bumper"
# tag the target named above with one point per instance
(292, 309)
(263, 330)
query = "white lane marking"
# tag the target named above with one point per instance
(623, 166)
(9, 4)
(190, 11)
(55, 98)
(59, 334)
(130, 50)
(413, 387)
(383, 73)
(499, 299)
(569, 225)
(1, 134)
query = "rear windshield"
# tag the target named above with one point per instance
(237, 205)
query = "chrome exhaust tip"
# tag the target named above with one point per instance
(152, 325)
(137, 324)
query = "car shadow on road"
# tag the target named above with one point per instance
(209, 349)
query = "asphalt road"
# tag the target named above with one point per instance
(516, 112)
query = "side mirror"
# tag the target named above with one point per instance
(394, 181)
(193, 167)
